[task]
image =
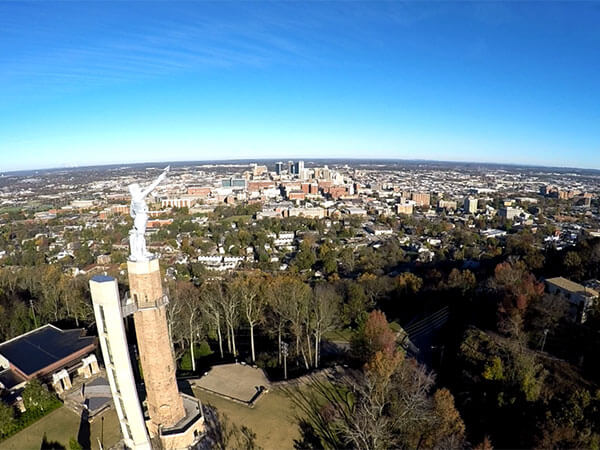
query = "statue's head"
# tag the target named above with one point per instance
(135, 190)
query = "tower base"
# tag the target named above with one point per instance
(187, 432)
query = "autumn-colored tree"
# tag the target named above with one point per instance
(486, 444)
(374, 287)
(375, 345)
(516, 289)
(446, 428)
(408, 283)
(516, 285)
(374, 336)
(462, 280)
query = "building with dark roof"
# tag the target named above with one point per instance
(46, 352)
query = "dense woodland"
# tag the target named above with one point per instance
(488, 383)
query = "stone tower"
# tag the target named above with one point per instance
(174, 418)
(165, 405)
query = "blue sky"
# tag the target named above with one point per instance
(108, 82)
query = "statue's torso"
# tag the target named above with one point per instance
(138, 206)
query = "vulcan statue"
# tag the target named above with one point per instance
(139, 212)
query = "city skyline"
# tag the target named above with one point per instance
(272, 162)
(102, 83)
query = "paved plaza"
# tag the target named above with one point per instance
(236, 381)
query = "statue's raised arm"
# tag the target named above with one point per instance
(156, 182)
(139, 212)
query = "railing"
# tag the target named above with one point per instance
(157, 303)
(130, 306)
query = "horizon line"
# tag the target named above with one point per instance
(250, 160)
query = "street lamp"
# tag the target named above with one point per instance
(284, 351)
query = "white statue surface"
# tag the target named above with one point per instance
(139, 212)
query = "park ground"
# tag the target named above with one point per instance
(272, 419)
(60, 426)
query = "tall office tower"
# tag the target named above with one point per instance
(107, 310)
(291, 167)
(278, 167)
(470, 205)
(175, 419)
(299, 169)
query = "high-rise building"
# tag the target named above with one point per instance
(405, 207)
(470, 205)
(299, 169)
(509, 212)
(257, 170)
(278, 167)
(420, 198)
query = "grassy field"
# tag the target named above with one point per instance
(237, 218)
(340, 335)
(60, 426)
(272, 418)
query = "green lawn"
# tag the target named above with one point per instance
(200, 350)
(237, 218)
(60, 426)
(272, 418)
(340, 335)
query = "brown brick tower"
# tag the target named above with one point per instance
(164, 403)
(174, 417)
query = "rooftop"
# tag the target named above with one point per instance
(34, 351)
(571, 286)
(9, 379)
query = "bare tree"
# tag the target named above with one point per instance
(247, 288)
(325, 308)
(276, 311)
(230, 305)
(366, 425)
(175, 322)
(211, 301)
(193, 316)
(296, 309)
(176, 319)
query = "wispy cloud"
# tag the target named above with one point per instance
(70, 45)
(44, 52)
